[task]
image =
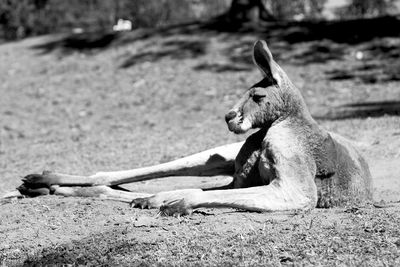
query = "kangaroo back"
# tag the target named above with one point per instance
(351, 183)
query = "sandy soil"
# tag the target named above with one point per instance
(146, 100)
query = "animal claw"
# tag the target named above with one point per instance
(36, 184)
(142, 202)
(33, 192)
(36, 179)
(175, 207)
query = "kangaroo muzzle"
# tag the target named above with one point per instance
(236, 122)
(230, 115)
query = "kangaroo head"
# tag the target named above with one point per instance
(272, 98)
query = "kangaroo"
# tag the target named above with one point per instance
(290, 163)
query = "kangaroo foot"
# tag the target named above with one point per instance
(33, 191)
(143, 203)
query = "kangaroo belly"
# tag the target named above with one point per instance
(349, 182)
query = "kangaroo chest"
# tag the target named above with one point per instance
(253, 168)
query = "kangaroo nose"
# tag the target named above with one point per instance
(230, 115)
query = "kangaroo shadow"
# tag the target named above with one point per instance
(103, 249)
(222, 67)
(178, 49)
(378, 62)
(299, 43)
(82, 42)
(310, 42)
(368, 73)
(347, 31)
(362, 110)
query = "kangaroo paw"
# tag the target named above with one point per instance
(38, 180)
(36, 184)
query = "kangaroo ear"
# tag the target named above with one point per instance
(263, 59)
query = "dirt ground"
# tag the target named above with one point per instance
(79, 105)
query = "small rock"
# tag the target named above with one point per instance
(285, 258)
(5, 246)
(139, 83)
(376, 142)
(144, 221)
(359, 55)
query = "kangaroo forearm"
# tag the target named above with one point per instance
(216, 161)
(161, 171)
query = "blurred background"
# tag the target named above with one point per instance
(90, 85)
(19, 19)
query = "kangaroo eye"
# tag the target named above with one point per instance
(257, 98)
